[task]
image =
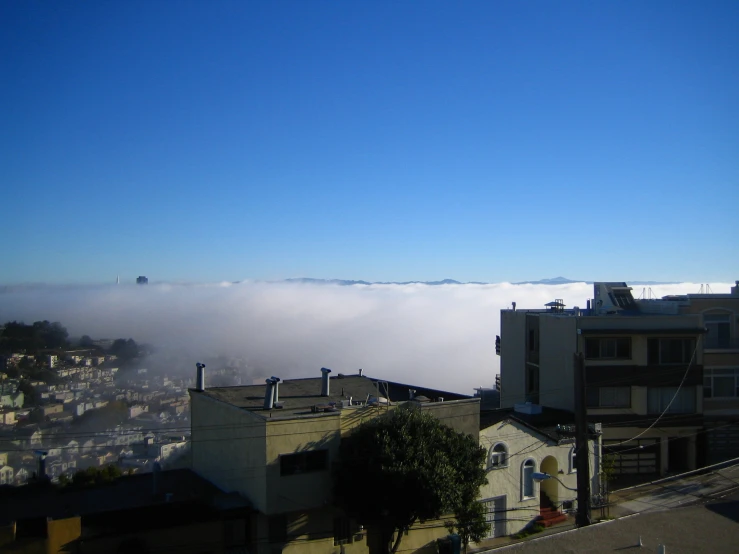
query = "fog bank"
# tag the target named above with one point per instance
(437, 336)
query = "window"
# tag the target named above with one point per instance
(303, 462)
(721, 383)
(609, 397)
(498, 456)
(658, 398)
(342, 531)
(615, 348)
(573, 460)
(670, 351)
(527, 478)
(719, 331)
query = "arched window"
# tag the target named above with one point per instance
(527, 478)
(498, 456)
(573, 460)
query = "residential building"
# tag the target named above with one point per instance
(275, 443)
(7, 416)
(11, 397)
(164, 511)
(720, 346)
(521, 441)
(142, 280)
(643, 365)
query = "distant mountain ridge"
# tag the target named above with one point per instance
(552, 281)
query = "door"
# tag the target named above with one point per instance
(495, 515)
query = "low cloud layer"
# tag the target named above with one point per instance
(436, 336)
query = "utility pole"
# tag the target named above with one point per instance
(582, 459)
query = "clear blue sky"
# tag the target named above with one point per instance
(373, 140)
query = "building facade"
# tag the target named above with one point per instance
(275, 444)
(644, 366)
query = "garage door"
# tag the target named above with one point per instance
(495, 515)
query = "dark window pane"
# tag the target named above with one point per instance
(592, 348)
(653, 351)
(593, 397)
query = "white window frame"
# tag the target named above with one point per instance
(523, 482)
(496, 455)
(712, 321)
(709, 374)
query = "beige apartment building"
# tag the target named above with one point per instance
(654, 369)
(720, 313)
(274, 444)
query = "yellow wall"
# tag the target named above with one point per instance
(229, 448)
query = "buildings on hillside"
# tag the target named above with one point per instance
(657, 371)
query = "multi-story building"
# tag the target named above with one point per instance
(275, 444)
(720, 351)
(644, 366)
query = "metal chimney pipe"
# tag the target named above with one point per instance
(200, 383)
(41, 469)
(411, 393)
(269, 398)
(325, 381)
(360, 371)
(276, 389)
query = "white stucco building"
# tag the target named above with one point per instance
(519, 445)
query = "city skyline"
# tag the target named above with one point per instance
(491, 142)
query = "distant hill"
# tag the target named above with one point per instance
(552, 281)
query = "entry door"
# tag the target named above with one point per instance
(495, 515)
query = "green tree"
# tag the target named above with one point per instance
(469, 522)
(125, 349)
(86, 341)
(96, 476)
(416, 469)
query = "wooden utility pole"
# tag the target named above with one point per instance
(582, 459)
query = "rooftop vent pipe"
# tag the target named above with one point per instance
(360, 369)
(411, 393)
(200, 383)
(325, 381)
(269, 398)
(276, 389)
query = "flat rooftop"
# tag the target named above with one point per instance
(298, 396)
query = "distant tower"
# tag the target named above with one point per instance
(141, 280)
(118, 280)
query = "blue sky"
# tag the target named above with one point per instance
(481, 141)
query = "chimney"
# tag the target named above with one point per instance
(269, 397)
(514, 306)
(411, 393)
(360, 369)
(734, 291)
(41, 473)
(588, 308)
(276, 395)
(325, 381)
(200, 384)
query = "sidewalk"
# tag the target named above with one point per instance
(650, 498)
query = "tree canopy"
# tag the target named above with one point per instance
(411, 468)
(125, 349)
(19, 337)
